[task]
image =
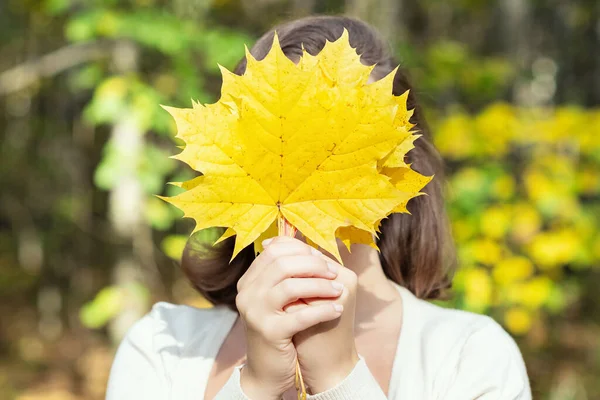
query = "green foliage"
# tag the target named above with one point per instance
(188, 51)
(448, 72)
(105, 306)
(173, 246)
(109, 302)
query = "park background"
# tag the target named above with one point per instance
(511, 89)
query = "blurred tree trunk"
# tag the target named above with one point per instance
(301, 8)
(126, 202)
(514, 32)
(595, 99)
(589, 64)
(383, 14)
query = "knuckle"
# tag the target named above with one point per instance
(240, 303)
(318, 263)
(287, 286)
(252, 319)
(322, 262)
(276, 239)
(285, 269)
(289, 239)
(281, 239)
(304, 248)
(267, 252)
(279, 264)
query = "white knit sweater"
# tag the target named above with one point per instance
(441, 354)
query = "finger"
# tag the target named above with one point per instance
(298, 266)
(296, 305)
(293, 289)
(304, 318)
(283, 245)
(279, 246)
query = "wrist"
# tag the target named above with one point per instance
(254, 388)
(333, 377)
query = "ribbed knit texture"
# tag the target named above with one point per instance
(359, 384)
(232, 390)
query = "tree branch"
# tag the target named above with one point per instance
(51, 64)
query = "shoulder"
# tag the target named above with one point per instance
(178, 328)
(444, 328)
(147, 359)
(465, 350)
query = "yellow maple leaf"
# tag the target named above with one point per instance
(312, 142)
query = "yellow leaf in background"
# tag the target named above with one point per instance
(454, 138)
(587, 133)
(310, 142)
(554, 248)
(538, 185)
(526, 222)
(478, 289)
(486, 251)
(536, 292)
(495, 221)
(596, 248)
(496, 126)
(518, 320)
(566, 121)
(115, 87)
(512, 269)
(504, 187)
(553, 195)
(463, 230)
(533, 293)
(588, 180)
(173, 246)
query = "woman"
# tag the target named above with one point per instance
(365, 330)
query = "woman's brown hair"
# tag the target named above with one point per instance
(417, 251)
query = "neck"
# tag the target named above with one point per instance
(375, 291)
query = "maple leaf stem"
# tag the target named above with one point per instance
(287, 229)
(300, 383)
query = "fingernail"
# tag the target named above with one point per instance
(338, 307)
(315, 252)
(332, 267)
(337, 286)
(266, 242)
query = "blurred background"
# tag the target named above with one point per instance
(511, 88)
